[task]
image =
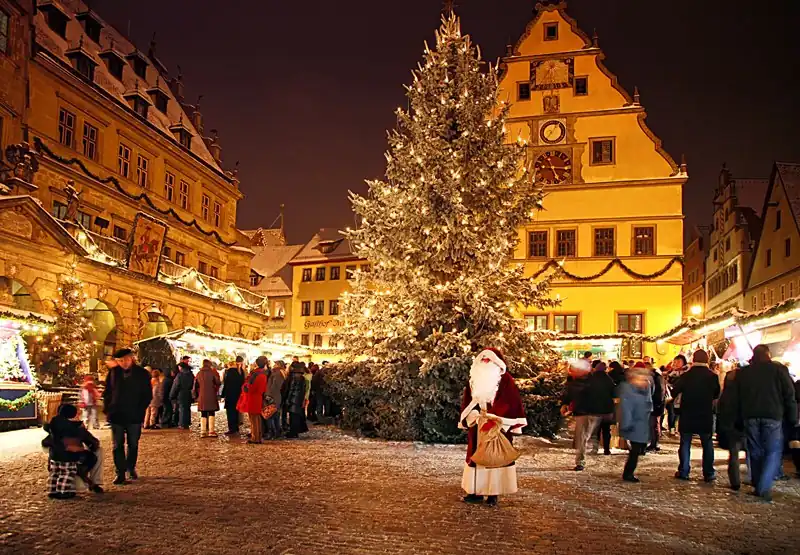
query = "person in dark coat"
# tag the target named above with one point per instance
(125, 400)
(659, 395)
(616, 372)
(296, 400)
(169, 415)
(794, 441)
(730, 429)
(181, 393)
(765, 397)
(636, 404)
(275, 381)
(698, 388)
(671, 403)
(206, 391)
(68, 440)
(232, 383)
(600, 389)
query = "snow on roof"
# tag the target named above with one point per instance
(268, 261)
(113, 42)
(327, 244)
(790, 176)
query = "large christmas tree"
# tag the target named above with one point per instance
(71, 345)
(441, 229)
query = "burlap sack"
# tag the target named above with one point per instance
(494, 450)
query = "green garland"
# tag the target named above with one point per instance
(39, 144)
(615, 262)
(31, 319)
(18, 403)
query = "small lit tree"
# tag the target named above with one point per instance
(71, 346)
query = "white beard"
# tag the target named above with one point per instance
(484, 380)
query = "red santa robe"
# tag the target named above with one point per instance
(507, 405)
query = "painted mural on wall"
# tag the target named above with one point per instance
(147, 242)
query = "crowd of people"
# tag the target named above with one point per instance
(755, 410)
(277, 398)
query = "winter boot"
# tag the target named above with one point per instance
(212, 430)
(203, 426)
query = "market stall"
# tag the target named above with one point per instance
(18, 330)
(164, 351)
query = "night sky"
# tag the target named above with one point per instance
(302, 93)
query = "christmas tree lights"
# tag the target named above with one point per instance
(70, 341)
(442, 227)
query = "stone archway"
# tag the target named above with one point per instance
(155, 324)
(16, 294)
(106, 334)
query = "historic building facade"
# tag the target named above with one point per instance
(122, 163)
(775, 273)
(321, 271)
(612, 218)
(14, 53)
(735, 228)
(694, 276)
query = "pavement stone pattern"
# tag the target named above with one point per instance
(330, 493)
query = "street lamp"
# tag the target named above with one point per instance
(697, 310)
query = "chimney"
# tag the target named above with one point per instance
(197, 116)
(176, 86)
(213, 145)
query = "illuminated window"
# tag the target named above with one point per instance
(631, 323)
(180, 258)
(536, 321)
(4, 19)
(124, 161)
(66, 127)
(214, 272)
(317, 340)
(304, 339)
(203, 267)
(754, 303)
(319, 308)
(333, 308)
(320, 275)
(567, 323)
(305, 308)
(783, 293)
(335, 271)
(85, 220)
(537, 244)
(89, 141)
(349, 272)
(366, 268)
(306, 274)
(59, 210)
(120, 232)
(604, 241)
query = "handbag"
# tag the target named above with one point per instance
(494, 449)
(268, 407)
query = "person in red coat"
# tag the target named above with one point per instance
(252, 398)
(493, 390)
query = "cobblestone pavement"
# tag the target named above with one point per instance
(330, 493)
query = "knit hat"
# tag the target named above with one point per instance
(641, 365)
(700, 357)
(122, 353)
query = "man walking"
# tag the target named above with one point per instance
(698, 387)
(182, 393)
(765, 395)
(125, 401)
(232, 383)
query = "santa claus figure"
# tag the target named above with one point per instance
(491, 389)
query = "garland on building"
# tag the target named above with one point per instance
(25, 319)
(557, 265)
(70, 342)
(39, 144)
(18, 403)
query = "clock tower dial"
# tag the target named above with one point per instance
(553, 167)
(553, 132)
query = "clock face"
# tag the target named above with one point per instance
(553, 132)
(553, 167)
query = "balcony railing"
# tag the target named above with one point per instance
(114, 251)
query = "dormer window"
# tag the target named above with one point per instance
(56, 17)
(114, 62)
(159, 97)
(551, 31)
(91, 25)
(182, 134)
(82, 61)
(138, 101)
(138, 63)
(327, 247)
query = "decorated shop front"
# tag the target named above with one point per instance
(19, 330)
